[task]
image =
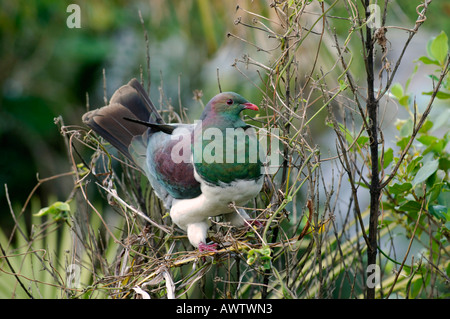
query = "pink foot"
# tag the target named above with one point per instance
(256, 223)
(202, 247)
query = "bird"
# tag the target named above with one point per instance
(198, 169)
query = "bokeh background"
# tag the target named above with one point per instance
(48, 69)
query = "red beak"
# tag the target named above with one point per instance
(250, 106)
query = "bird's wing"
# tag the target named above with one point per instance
(166, 160)
(132, 124)
(169, 162)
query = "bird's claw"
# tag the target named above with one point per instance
(202, 247)
(256, 223)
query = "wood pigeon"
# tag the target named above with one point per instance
(197, 169)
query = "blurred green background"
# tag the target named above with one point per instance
(47, 70)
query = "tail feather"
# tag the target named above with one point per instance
(134, 98)
(129, 101)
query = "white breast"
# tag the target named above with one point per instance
(238, 192)
(214, 201)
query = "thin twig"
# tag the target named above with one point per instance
(417, 127)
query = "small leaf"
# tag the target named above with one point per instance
(388, 157)
(58, 211)
(426, 127)
(61, 206)
(404, 100)
(434, 192)
(447, 225)
(413, 164)
(266, 251)
(433, 77)
(348, 135)
(406, 128)
(403, 142)
(440, 95)
(267, 265)
(399, 188)
(427, 139)
(427, 60)
(408, 81)
(251, 257)
(362, 140)
(251, 260)
(436, 147)
(428, 169)
(397, 90)
(444, 164)
(438, 211)
(42, 212)
(416, 287)
(438, 48)
(409, 206)
(342, 85)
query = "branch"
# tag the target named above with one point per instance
(416, 129)
(420, 20)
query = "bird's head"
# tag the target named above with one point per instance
(227, 104)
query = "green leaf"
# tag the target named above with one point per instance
(403, 142)
(444, 163)
(399, 188)
(428, 169)
(397, 90)
(413, 164)
(415, 288)
(408, 81)
(251, 257)
(251, 260)
(263, 254)
(58, 210)
(434, 192)
(427, 139)
(438, 211)
(447, 225)
(388, 157)
(438, 48)
(426, 127)
(437, 147)
(362, 140)
(407, 128)
(267, 265)
(348, 135)
(440, 95)
(266, 251)
(427, 60)
(409, 206)
(404, 100)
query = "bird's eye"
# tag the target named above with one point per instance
(230, 102)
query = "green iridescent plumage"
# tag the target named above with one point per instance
(225, 148)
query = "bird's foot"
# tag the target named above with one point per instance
(256, 223)
(202, 247)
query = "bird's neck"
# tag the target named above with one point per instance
(222, 121)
